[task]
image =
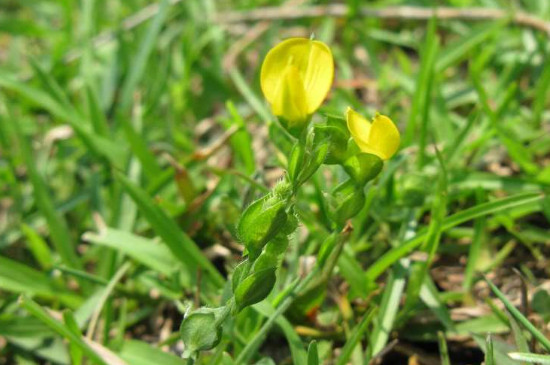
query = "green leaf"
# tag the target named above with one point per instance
(519, 337)
(96, 115)
(59, 230)
(38, 247)
(389, 306)
(255, 288)
(241, 141)
(489, 351)
(141, 353)
(363, 167)
(19, 278)
(100, 146)
(139, 147)
(420, 269)
(530, 358)
(296, 161)
(139, 60)
(443, 350)
(356, 334)
(299, 355)
(413, 189)
(346, 202)
(454, 220)
(334, 133)
(181, 246)
(240, 273)
(62, 330)
(261, 222)
(459, 49)
(145, 251)
(75, 352)
(541, 303)
(421, 103)
(541, 91)
(541, 338)
(312, 354)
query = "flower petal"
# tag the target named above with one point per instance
(359, 127)
(290, 101)
(380, 138)
(384, 137)
(314, 62)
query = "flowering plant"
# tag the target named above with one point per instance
(296, 77)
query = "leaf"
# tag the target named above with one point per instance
(181, 246)
(261, 222)
(363, 167)
(420, 102)
(145, 251)
(355, 337)
(346, 203)
(458, 50)
(419, 270)
(530, 358)
(100, 146)
(62, 330)
(255, 288)
(499, 205)
(443, 350)
(299, 355)
(38, 247)
(141, 353)
(389, 306)
(240, 273)
(496, 352)
(19, 278)
(139, 60)
(312, 354)
(241, 141)
(59, 230)
(541, 338)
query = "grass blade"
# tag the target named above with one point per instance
(59, 328)
(355, 338)
(145, 251)
(142, 353)
(140, 59)
(312, 354)
(489, 355)
(59, 230)
(181, 246)
(530, 358)
(443, 350)
(19, 278)
(479, 210)
(541, 338)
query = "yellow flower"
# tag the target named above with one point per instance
(380, 138)
(296, 77)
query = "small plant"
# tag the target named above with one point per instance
(296, 77)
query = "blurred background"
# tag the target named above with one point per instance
(133, 134)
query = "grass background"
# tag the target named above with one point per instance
(132, 134)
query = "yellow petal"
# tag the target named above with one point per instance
(381, 137)
(359, 127)
(290, 99)
(384, 137)
(313, 60)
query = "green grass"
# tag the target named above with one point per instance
(125, 165)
